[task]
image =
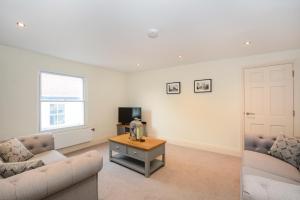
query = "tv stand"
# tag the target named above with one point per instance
(125, 128)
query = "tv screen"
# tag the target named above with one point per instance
(127, 114)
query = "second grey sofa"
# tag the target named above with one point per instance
(61, 178)
(264, 175)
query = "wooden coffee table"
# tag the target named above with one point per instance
(139, 156)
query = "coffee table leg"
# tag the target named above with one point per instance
(147, 165)
(110, 153)
(163, 159)
(147, 168)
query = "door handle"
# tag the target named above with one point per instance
(249, 113)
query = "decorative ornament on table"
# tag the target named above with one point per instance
(136, 130)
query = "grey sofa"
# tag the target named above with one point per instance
(61, 178)
(263, 176)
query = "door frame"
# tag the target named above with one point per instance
(243, 96)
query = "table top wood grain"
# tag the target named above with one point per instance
(149, 144)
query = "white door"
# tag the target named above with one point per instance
(269, 100)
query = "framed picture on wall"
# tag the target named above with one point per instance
(204, 85)
(173, 88)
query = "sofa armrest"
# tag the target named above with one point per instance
(47, 180)
(38, 143)
(259, 143)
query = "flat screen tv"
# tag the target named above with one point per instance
(127, 114)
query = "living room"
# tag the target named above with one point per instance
(102, 56)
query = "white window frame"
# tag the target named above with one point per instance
(40, 101)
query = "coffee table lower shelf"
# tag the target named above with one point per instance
(136, 165)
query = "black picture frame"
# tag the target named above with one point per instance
(203, 86)
(173, 88)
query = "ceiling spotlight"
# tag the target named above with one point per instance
(248, 43)
(180, 57)
(152, 33)
(138, 64)
(20, 25)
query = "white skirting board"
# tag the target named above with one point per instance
(72, 137)
(205, 147)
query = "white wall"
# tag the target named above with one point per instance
(211, 121)
(19, 105)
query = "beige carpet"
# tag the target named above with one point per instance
(189, 174)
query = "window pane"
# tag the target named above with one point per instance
(53, 120)
(60, 119)
(60, 108)
(59, 87)
(53, 109)
(71, 114)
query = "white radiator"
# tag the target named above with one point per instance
(72, 137)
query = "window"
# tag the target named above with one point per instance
(61, 101)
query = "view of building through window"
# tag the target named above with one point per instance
(57, 114)
(61, 101)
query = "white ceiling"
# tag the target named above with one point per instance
(113, 33)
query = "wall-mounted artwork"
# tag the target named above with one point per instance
(173, 88)
(204, 85)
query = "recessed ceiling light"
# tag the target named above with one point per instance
(247, 43)
(180, 57)
(20, 25)
(138, 64)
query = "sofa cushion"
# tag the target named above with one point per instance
(270, 164)
(14, 168)
(14, 151)
(49, 157)
(287, 149)
(261, 188)
(258, 172)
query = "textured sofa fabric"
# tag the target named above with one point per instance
(86, 189)
(257, 172)
(262, 188)
(38, 143)
(262, 173)
(50, 179)
(49, 157)
(61, 178)
(259, 143)
(270, 164)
